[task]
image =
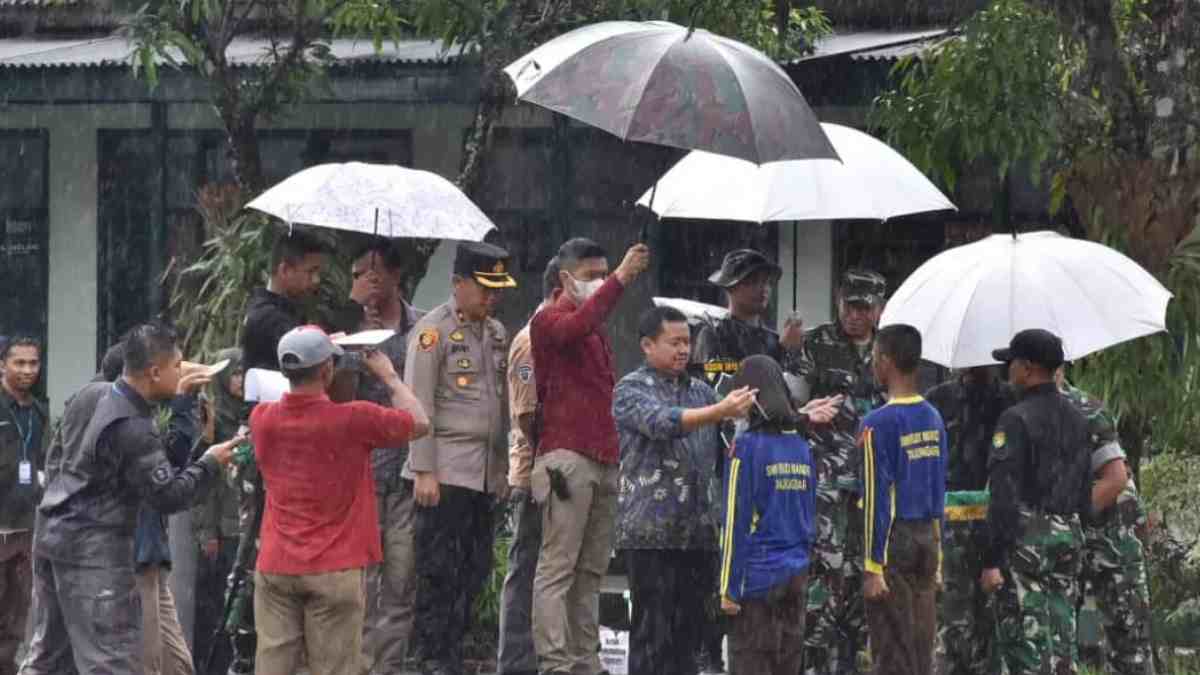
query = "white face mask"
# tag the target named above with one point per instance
(585, 289)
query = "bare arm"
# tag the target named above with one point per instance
(1109, 484)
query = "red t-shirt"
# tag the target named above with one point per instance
(575, 375)
(315, 460)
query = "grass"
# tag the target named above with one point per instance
(1176, 665)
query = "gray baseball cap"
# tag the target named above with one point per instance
(305, 347)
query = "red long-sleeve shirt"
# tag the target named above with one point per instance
(575, 375)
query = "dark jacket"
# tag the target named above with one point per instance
(17, 502)
(1041, 461)
(104, 462)
(970, 414)
(151, 546)
(269, 316)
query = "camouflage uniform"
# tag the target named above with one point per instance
(1114, 563)
(1038, 473)
(833, 365)
(966, 623)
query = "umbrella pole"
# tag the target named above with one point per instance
(376, 222)
(644, 237)
(795, 263)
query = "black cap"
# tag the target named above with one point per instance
(1036, 346)
(859, 285)
(486, 263)
(740, 264)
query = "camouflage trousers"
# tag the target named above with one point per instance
(1035, 608)
(1114, 569)
(827, 639)
(966, 626)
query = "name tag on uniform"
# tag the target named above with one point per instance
(25, 473)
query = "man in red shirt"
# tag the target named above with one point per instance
(320, 529)
(576, 469)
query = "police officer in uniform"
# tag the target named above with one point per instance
(1039, 473)
(837, 361)
(457, 367)
(970, 406)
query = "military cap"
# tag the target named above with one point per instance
(859, 285)
(740, 264)
(487, 264)
(1036, 346)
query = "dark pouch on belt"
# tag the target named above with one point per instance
(558, 484)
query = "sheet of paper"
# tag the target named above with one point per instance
(265, 386)
(367, 338)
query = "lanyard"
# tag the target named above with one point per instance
(26, 432)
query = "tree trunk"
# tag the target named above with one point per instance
(244, 156)
(783, 13)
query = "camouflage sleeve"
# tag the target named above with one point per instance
(147, 471)
(1009, 446)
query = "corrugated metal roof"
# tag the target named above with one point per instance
(115, 51)
(37, 3)
(862, 43)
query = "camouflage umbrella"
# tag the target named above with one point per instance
(658, 82)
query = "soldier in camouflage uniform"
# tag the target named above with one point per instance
(1040, 482)
(1114, 563)
(837, 361)
(970, 406)
(747, 277)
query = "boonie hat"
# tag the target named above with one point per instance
(305, 347)
(740, 264)
(486, 263)
(859, 285)
(1036, 346)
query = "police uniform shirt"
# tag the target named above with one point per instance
(522, 400)
(457, 369)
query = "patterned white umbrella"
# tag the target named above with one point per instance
(382, 199)
(972, 299)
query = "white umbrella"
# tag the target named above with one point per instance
(382, 199)
(872, 181)
(693, 310)
(972, 299)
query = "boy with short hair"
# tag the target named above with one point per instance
(904, 474)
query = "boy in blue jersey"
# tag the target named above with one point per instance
(770, 488)
(904, 484)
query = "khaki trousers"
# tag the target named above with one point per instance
(315, 615)
(164, 649)
(577, 536)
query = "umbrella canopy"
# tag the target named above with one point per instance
(872, 181)
(658, 82)
(693, 310)
(382, 199)
(972, 299)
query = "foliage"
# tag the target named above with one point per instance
(209, 296)
(1093, 90)
(989, 91)
(1168, 487)
(489, 601)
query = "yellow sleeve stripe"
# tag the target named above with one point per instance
(730, 519)
(869, 492)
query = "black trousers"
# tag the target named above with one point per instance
(453, 546)
(211, 579)
(668, 592)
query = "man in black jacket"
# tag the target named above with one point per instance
(106, 459)
(24, 423)
(296, 262)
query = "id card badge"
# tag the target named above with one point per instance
(25, 473)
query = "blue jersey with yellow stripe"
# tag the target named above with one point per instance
(904, 471)
(770, 499)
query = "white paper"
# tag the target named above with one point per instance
(614, 650)
(25, 473)
(265, 386)
(367, 338)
